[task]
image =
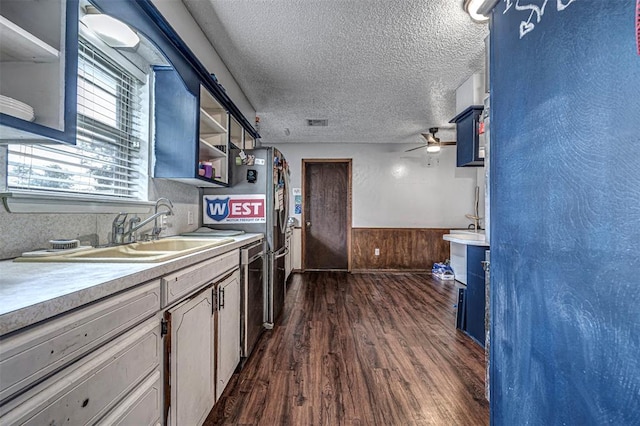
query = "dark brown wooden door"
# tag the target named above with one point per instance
(327, 214)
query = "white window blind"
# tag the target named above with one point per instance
(107, 160)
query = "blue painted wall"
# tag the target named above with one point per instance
(565, 209)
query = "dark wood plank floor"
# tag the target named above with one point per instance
(361, 349)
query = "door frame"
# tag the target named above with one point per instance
(306, 161)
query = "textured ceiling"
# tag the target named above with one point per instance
(379, 70)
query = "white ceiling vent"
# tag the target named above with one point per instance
(317, 122)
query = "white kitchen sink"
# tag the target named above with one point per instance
(149, 251)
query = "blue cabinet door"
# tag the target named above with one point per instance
(176, 127)
(475, 293)
(468, 141)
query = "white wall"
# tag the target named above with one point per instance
(183, 23)
(392, 188)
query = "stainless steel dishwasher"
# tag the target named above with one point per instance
(252, 315)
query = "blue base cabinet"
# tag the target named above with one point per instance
(475, 304)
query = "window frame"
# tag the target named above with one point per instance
(41, 201)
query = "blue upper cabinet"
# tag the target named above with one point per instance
(175, 128)
(470, 152)
(192, 112)
(191, 132)
(38, 65)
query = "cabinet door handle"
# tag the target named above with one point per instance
(221, 298)
(308, 224)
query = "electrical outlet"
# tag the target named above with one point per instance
(376, 252)
(189, 217)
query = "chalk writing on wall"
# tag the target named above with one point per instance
(536, 10)
(638, 25)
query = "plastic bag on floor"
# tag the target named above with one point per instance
(443, 271)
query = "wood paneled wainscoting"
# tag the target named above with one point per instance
(406, 249)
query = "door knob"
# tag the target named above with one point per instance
(308, 224)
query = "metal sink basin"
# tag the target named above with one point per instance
(150, 251)
(176, 244)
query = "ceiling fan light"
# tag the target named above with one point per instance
(471, 7)
(433, 148)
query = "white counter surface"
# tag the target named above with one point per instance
(32, 292)
(466, 238)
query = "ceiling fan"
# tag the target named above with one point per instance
(433, 143)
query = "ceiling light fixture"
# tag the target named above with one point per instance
(471, 7)
(433, 144)
(113, 32)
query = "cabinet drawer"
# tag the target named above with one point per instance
(29, 356)
(179, 284)
(142, 407)
(83, 392)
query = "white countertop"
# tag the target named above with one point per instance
(469, 238)
(32, 292)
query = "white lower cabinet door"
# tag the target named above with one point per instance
(228, 330)
(88, 389)
(192, 358)
(143, 406)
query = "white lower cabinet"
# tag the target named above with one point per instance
(228, 331)
(192, 358)
(458, 261)
(203, 344)
(124, 361)
(31, 355)
(296, 249)
(90, 388)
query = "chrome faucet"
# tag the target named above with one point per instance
(121, 236)
(476, 214)
(476, 222)
(117, 229)
(162, 201)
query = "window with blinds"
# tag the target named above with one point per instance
(108, 159)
